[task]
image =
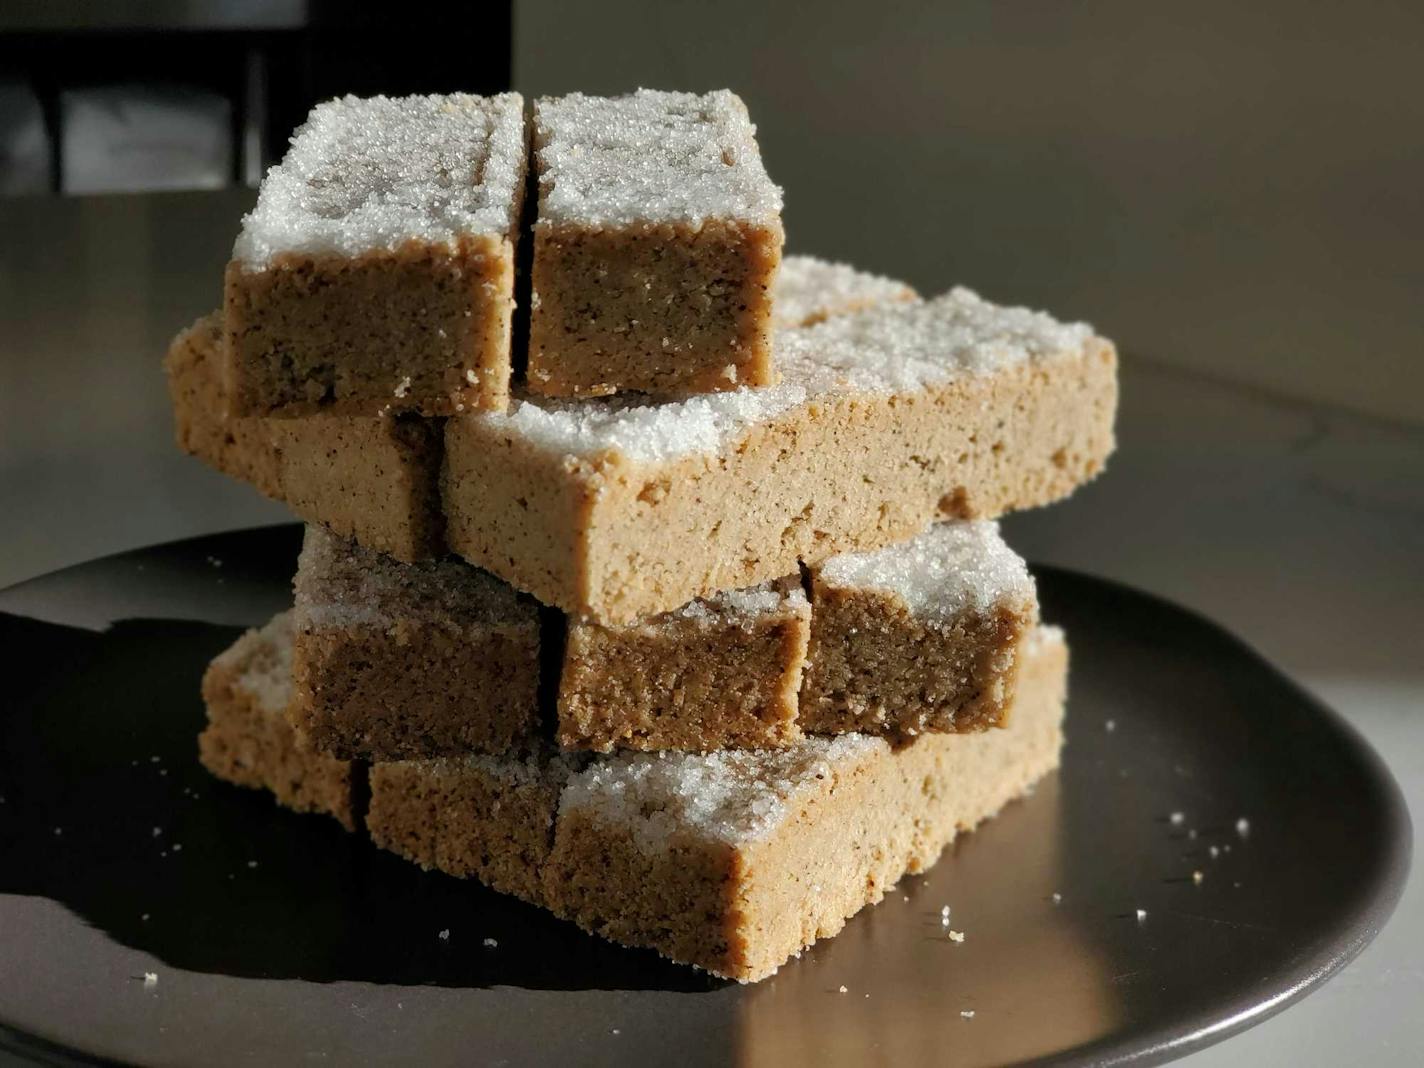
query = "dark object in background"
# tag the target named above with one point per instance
(25, 152)
(188, 95)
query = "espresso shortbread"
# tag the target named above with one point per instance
(248, 740)
(923, 636)
(736, 861)
(400, 660)
(732, 862)
(375, 479)
(884, 421)
(486, 817)
(655, 249)
(240, 447)
(376, 272)
(715, 673)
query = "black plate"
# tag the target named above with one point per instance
(278, 938)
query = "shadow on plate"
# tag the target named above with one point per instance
(107, 811)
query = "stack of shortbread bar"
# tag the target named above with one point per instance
(649, 576)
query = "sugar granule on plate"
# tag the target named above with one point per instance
(1243, 826)
(1197, 878)
(150, 980)
(956, 936)
(1141, 915)
(1177, 818)
(490, 943)
(843, 989)
(445, 935)
(1110, 725)
(1057, 898)
(967, 1014)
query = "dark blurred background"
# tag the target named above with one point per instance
(1233, 192)
(133, 96)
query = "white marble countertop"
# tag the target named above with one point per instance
(1298, 527)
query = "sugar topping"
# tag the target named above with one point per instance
(540, 765)
(730, 796)
(809, 290)
(950, 569)
(371, 174)
(893, 348)
(341, 584)
(263, 661)
(743, 606)
(884, 349)
(650, 157)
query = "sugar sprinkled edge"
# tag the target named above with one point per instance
(885, 349)
(650, 157)
(948, 570)
(366, 174)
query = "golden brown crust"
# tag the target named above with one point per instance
(413, 689)
(250, 745)
(738, 907)
(465, 818)
(666, 309)
(741, 912)
(241, 448)
(420, 329)
(876, 669)
(679, 682)
(612, 540)
(375, 480)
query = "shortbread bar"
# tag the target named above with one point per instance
(239, 447)
(376, 273)
(732, 862)
(884, 421)
(248, 740)
(400, 660)
(376, 479)
(655, 249)
(918, 637)
(714, 673)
